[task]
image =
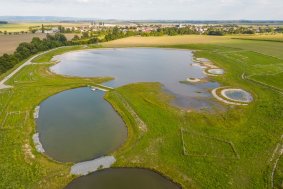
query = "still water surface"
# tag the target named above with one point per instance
(131, 65)
(123, 178)
(79, 125)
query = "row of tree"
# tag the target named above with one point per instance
(25, 50)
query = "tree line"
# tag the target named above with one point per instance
(25, 50)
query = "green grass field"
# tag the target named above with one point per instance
(21, 166)
(222, 149)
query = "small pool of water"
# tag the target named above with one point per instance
(237, 95)
(131, 65)
(122, 178)
(216, 71)
(78, 125)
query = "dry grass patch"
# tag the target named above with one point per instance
(166, 40)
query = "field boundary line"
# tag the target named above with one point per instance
(141, 125)
(230, 143)
(13, 113)
(278, 152)
(8, 101)
(244, 77)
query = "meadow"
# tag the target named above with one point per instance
(198, 160)
(21, 165)
(236, 148)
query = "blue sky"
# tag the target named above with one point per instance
(147, 9)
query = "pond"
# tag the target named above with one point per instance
(123, 178)
(78, 125)
(131, 65)
(238, 95)
(216, 71)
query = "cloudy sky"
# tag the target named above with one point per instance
(147, 9)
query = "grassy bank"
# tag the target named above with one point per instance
(21, 166)
(192, 148)
(48, 56)
(254, 130)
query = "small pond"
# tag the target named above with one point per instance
(216, 71)
(78, 125)
(123, 178)
(131, 65)
(237, 95)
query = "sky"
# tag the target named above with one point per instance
(147, 9)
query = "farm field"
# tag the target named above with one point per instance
(166, 40)
(263, 37)
(264, 47)
(18, 27)
(236, 148)
(9, 43)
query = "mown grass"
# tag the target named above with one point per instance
(48, 56)
(254, 130)
(20, 165)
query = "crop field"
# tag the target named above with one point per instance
(166, 40)
(9, 43)
(264, 37)
(264, 47)
(237, 148)
(18, 27)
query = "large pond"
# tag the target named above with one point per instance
(129, 65)
(123, 178)
(78, 125)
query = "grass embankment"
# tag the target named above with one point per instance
(21, 166)
(194, 149)
(48, 56)
(202, 157)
